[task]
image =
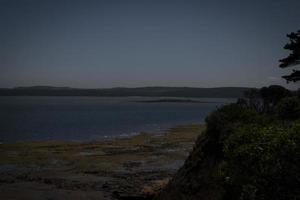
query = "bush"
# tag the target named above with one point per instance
(288, 108)
(273, 94)
(263, 163)
(265, 99)
(221, 122)
(245, 155)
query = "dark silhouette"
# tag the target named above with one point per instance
(244, 153)
(293, 58)
(265, 99)
(225, 92)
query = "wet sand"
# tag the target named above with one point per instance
(122, 168)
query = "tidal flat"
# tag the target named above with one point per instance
(133, 167)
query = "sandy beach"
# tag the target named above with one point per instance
(121, 168)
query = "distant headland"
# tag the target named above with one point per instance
(217, 92)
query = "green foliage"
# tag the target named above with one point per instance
(248, 192)
(266, 98)
(288, 108)
(259, 154)
(254, 99)
(272, 95)
(263, 162)
(249, 151)
(224, 120)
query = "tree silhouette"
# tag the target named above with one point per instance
(293, 58)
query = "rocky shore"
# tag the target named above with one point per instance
(122, 168)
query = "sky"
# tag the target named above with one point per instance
(126, 43)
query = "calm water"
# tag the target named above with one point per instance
(75, 118)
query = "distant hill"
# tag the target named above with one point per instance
(225, 92)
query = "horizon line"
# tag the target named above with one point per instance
(121, 87)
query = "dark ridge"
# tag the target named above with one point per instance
(219, 92)
(43, 87)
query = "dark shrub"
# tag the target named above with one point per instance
(272, 95)
(288, 108)
(222, 122)
(263, 163)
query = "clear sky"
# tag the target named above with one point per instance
(96, 44)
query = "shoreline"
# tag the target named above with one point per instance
(115, 168)
(158, 131)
